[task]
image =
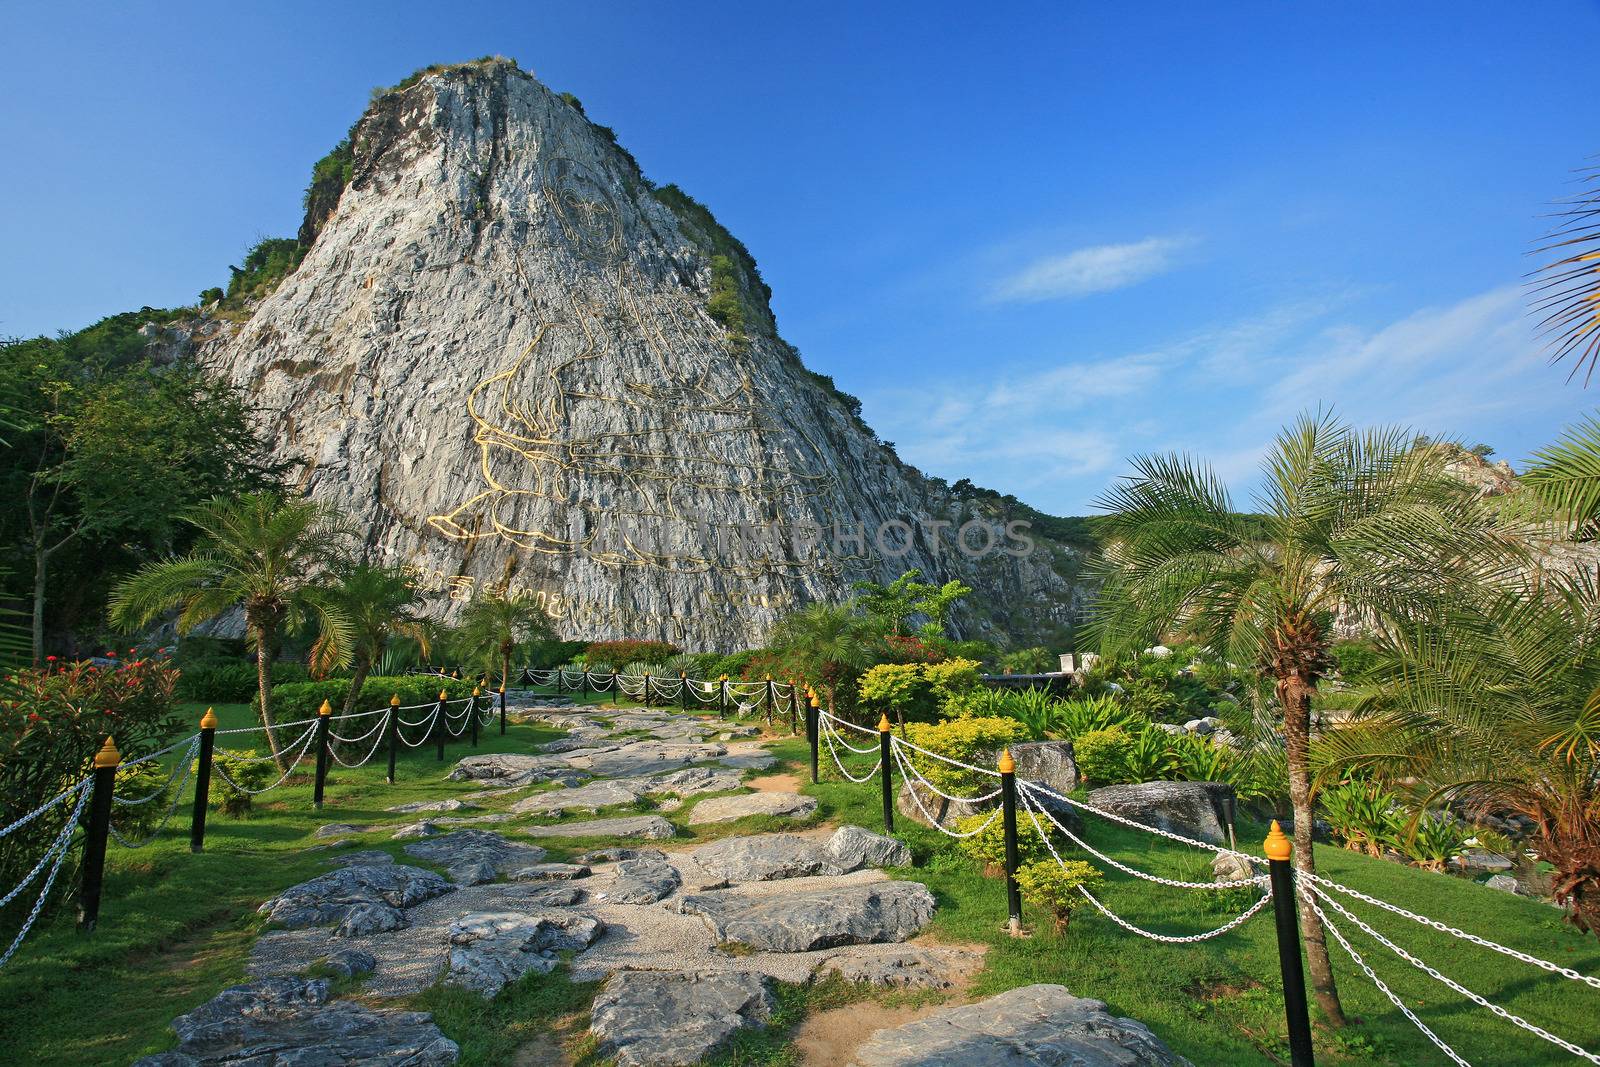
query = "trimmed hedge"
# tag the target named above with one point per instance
(230, 682)
(300, 700)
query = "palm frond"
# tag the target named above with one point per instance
(1566, 475)
(1567, 292)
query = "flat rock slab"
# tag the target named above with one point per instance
(591, 797)
(643, 881)
(551, 872)
(475, 856)
(725, 809)
(431, 805)
(1193, 809)
(900, 968)
(366, 857)
(803, 922)
(853, 847)
(688, 782)
(632, 828)
(509, 768)
(644, 757)
(749, 761)
(489, 950)
(1041, 1025)
(676, 1019)
(293, 1021)
(763, 858)
(331, 897)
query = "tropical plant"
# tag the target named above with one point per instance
(1495, 709)
(1568, 291)
(1057, 886)
(1349, 521)
(277, 558)
(380, 605)
(1566, 477)
(1432, 840)
(1035, 660)
(1363, 814)
(898, 687)
(494, 624)
(828, 643)
(1149, 757)
(240, 775)
(1095, 713)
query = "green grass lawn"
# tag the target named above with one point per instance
(1220, 1001)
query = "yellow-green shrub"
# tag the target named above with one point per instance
(1102, 755)
(972, 740)
(1054, 886)
(988, 846)
(901, 688)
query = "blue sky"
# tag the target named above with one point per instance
(1035, 239)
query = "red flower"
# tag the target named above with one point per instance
(111, 655)
(51, 659)
(33, 716)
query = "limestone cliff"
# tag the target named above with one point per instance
(516, 363)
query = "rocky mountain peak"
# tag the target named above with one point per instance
(521, 365)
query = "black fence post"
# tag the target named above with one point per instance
(394, 734)
(441, 727)
(502, 709)
(106, 762)
(323, 714)
(683, 690)
(813, 731)
(886, 756)
(616, 690)
(646, 691)
(1008, 817)
(473, 713)
(1279, 848)
(722, 697)
(202, 781)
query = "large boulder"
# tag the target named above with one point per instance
(643, 881)
(1042, 1025)
(1047, 763)
(489, 950)
(777, 805)
(1193, 809)
(922, 805)
(676, 1019)
(853, 847)
(765, 858)
(475, 856)
(293, 1021)
(509, 768)
(632, 828)
(330, 898)
(688, 782)
(820, 918)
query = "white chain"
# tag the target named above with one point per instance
(934, 819)
(424, 738)
(125, 764)
(1553, 968)
(895, 744)
(953, 762)
(1028, 801)
(1382, 988)
(304, 744)
(46, 806)
(82, 789)
(353, 740)
(876, 746)
(827, 735)
(272, 756)
(1515, 1020)
(62, 843)
(259, 729)
(177, 798)
(1218, 849)
(334, 752)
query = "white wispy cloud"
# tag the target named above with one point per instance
(1097, 269)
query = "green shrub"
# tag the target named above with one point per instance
(1055, 886)
(988, 846)
(137, 821)
(1355, 659)
(300, 700)
(970, 740)
(656, 652)
(231, 681)
(1102, 755)
(1364, 815)
(1077, 717)
(1149, 757)
(543, 654)
(1035, 660)
(248, 769)
(1433, 841)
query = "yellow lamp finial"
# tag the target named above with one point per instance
(108, 756)
(1277, 846)
(208, 721)
(883, 724)
(394, 701)
(326, 709)
(1007, 764)
(477, 691)
(442, 695)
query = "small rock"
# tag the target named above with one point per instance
(853, 847)
(636, 827)
(328, 898)
(430, 805)
(365, 858)
(1042, 1025)
(338, 829)
(364, 919)
(643, 881)
(1505, 883)
(676, 1019)
(475, 856)
(724, 809)
(350, 963)
(550, 872)
(820, 918)
(1226, 868)
(292, 1021)
(488, 950)
(1484, 861)
(425, 828)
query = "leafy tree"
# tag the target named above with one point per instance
(1035, 660)
(1360, 522)
(892, 606)
(380, 604)
(107, 451)
(276, 558)
(936, 603)
(494, 624)
(828, 642)
(1495, 707)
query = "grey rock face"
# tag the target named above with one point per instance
(930, 809)
(595, 795)
(906, 968)
(853, 847)
(633, 827)
(1484, 861)
(823, 918)
(292, 1021)
(329, 898)
(493, 279)
(726, 809)
(691, 781)
(488, 950)
(1505, 883)
(1034, 1026)
(643, 881)
(550, 872)
(616, 854)
(1047, 763)
(361, 920)
(350, 963)
(1193, 809)
(765, 858)
(475, 856)
(644, 758)
(673, 1019)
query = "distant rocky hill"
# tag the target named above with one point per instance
(517, 363)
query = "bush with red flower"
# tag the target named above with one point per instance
(52, 722)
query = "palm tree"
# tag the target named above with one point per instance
(276, 558)
(379, 605)
(825, 641)
(1496, 708)
(1566, 476)
(493, 625)
(1356, 524)
(1567, 293)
